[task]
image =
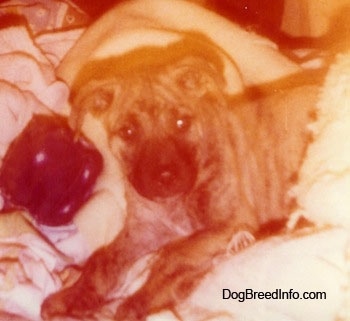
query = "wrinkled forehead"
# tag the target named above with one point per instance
(150, 61)
(151, 88)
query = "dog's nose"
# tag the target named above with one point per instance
(164, 170)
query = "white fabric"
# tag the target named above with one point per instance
(257, 59)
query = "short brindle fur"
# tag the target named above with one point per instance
(202, 171)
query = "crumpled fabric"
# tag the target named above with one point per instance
(33, 264)
(43, 16)
(32, 258)
(313, 261)
(28, 86)
(325, 173)
(27, 274)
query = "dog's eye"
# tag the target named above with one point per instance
(183, 123)
(128, 131)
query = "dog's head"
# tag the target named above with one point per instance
(157, 111)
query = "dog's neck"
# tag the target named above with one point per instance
(168, 215)
(277, 134)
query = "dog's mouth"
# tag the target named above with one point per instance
(163, 169)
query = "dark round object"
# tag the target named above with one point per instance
(48, 171)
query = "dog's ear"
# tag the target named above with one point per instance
(75, 121)
(89, 99)
(77, 113)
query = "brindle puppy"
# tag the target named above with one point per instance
(200, 168)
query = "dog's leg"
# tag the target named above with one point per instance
(104, 271)
(88, 293)
(180, 267)
(182, 264)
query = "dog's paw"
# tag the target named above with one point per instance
(133, 308)
(239, 241)
(70, 302)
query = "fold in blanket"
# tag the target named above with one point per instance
(30, 264)
(29, 269)
(257, 59)
(305, 262)
(323, 191)
(28, 86)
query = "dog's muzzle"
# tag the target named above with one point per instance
(163, 169)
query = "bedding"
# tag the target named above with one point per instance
(37, 260)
